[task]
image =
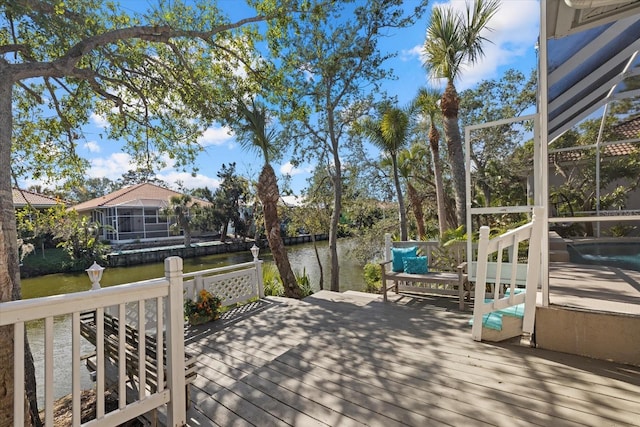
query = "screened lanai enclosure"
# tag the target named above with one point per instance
(584, 163)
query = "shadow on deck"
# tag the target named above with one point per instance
(350, 359)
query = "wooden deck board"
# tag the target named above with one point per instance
(349, 359)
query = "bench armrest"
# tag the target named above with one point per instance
(462, 267)
(383, 263)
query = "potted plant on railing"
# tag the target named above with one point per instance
(204, 309)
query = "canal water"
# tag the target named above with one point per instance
(302, 258)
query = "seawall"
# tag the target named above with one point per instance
(158, 254)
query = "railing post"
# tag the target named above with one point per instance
(533, 271)
(260, 281)
(176, 412)
(481, 283)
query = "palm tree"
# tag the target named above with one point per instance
(179, 208)
(389, 133)
(427, 103)
(407, 160)
(253, 134)
(453, 39)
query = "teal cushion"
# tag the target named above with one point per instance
(397, 255)
(416, 265)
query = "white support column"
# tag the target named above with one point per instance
(542, 190)
(533, 271)
(176, 412)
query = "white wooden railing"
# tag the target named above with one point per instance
(499, 274)
(233, 284)
(141, 300)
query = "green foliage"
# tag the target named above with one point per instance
(577, 190)
(179, 210)
(622, 230)
(372, 277)
(304, 282)
(271, 280)
(369, 243)
(273, 284)
(453, 38)
(52, 260)
(77, 234)
(499, 174)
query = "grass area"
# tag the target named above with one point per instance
(54, 260)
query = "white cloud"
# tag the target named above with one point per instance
(92, 147)
(111, 167)
(411, 54)
(514, 33)
(117, 164)
(216, 135)
(289, 169)
(99, 121)
(188, 180)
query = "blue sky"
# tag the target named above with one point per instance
(515, 31)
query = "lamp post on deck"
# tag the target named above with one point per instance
(255, 250)
(95, 274)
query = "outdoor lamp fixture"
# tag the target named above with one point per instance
(95, 274)
(255, 251)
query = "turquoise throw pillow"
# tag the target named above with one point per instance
(398, 255)
(416, 265)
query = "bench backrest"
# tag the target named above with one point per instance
(438, 258)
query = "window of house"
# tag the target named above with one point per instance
(151, 216)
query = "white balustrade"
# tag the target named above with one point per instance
(141, 300)
(489, 269)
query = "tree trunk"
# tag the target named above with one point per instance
(225, 230)
(9, 271)
(269, 195)
(434, 145)
(417, 209)
(402, 212)
(449, 105)
(315, 249)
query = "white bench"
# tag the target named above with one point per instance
(440, 280)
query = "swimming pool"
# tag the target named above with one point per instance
(607, 253)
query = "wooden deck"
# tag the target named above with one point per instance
(591, 287)
(350, 359)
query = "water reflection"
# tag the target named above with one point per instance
(302, 257)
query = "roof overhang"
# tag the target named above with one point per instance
(592, 51)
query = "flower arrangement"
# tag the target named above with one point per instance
(204, 309)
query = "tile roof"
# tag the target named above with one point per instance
(145, 194)
(23, 197)
(629, 129)
(611, 150)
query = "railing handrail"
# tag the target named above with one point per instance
(249, 264)
(57, 305)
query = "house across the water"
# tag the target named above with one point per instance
(134, 213)
(24, 198)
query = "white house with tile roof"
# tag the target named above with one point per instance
(133, 213)
(23, 198)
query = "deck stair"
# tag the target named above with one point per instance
(502, 324)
